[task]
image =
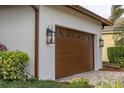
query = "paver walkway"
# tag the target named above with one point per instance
(96, 77)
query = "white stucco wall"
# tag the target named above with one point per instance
(17, 26)
(63, 16)
(17, 32)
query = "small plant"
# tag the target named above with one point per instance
(79, 82)
(13, 64)
(2, 47)
(104, 85)
(116, 84)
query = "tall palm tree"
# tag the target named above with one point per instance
(116, 12)
(119, 34)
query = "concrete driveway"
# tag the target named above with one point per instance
(96, 77)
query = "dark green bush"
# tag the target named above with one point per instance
(116, 55)
(12, 65)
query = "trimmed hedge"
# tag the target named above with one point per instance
(116, 55)
(12, 65)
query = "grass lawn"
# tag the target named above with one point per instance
(33, 84)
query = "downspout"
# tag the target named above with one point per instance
(36, 50)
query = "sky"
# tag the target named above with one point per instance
(102, 10)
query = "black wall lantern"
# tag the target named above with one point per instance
(101, 42)
(50, 36)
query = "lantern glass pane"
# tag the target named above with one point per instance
(49, 36)
(53, 37)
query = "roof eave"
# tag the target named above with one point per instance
(91, 14)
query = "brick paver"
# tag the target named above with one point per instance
(96, 77)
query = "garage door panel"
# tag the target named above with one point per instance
(74, 52)
(72, 61)
(69, 70)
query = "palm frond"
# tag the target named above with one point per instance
(116, 12)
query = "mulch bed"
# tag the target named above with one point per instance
(111, 69)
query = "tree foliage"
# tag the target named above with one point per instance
(119, 34)
(116, 12)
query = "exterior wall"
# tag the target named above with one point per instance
(108, 42)
(17, 26)
(63, 16)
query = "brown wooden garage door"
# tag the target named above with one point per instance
(74, 52)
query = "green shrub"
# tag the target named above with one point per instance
(116, 84)
(116, 55)
(12, 65)
(79, 83)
